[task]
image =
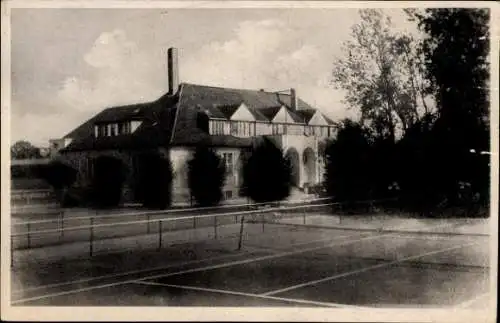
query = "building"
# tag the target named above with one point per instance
(229, 120)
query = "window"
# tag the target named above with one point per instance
(234, 128)
(228, 195)
(116, 129)
(228, 162)
(217, 127)
(113, 129)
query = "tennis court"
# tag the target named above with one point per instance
(325, 263)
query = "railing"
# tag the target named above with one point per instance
(92, 231)
(247, 206)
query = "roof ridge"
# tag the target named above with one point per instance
(236, 89)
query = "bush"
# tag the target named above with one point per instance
(107, 182)
(58, 175)
(206, 175)
(267, 174)
(153, 181)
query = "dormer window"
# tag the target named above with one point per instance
(116, 128)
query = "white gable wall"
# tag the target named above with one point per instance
(242, 114)
(283, 116)
(318, 120)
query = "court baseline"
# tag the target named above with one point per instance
(330, 278)
(223, 265)
(86, 280)
(240, 262)
(229, 292)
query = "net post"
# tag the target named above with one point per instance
(28, 227)
(91, 242)
(160, 229)
(215, 227)
(11, 251)
(62, 224)
(241, 233)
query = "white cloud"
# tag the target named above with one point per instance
(265, 54)
(121, 74)
(262, 54)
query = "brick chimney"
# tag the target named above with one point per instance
(293, 99)
(173, 70)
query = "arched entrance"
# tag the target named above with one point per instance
(293, 157)
(310, 166)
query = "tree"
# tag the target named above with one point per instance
(24, 150)
(415, 166)
(380, 75)
(154, 180)
(456, 51)
(206, 176)
(58, 175)
(267, 173)
(347, 176)
(107, 182)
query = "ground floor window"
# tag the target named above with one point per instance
(227, 159)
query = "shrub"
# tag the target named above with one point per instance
(206, 175)
(58, 175)
(153, 181)
(107, 182)
(267, 174)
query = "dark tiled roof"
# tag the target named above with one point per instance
(306, 114)
(174, 119)
(156, 128)
(229, 110)
(270, 112)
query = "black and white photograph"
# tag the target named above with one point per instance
(257, 160)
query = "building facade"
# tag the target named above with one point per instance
(229, 120)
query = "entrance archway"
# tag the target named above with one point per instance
(293, 157)
(310, 166)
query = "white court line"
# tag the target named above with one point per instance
(230, 292)
(349, 273)
(472, 301)
(84, 280)
(223, 265)
(234, 263)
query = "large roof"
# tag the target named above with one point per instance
(173, 119)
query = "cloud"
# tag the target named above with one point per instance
(121, 74)
(267, 54)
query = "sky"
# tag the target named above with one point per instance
(69, 64)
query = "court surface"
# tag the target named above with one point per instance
(287, 265)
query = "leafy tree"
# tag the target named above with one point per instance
(206, 175)
(456, 51)
(58, 175)
(154, 180)
(24, 150)
(415, 166)
(381, 75)
(107, 182)
(267, 173)
(347, 172)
